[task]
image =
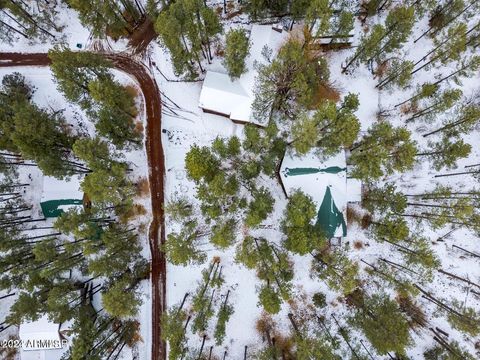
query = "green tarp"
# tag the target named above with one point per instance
(51, 208)
(329, 217)
(307, 171)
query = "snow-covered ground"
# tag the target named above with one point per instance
(189, 125)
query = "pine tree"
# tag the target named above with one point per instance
(41, 136)
(453, 351)
(302, 236)
(385, 39)
(384, 199)
(14, 94)
(20, 18)
(383, 324)
(119, 301)
(468, 320)
(329, 129)
(224, 233)
(195, 26)
(226, 310)
(201, 164)
(398, 74)
(259, 208)
(273, 266)
(109, 186)
(115, 18)
(115, 111)
(289, 83)
(382, 151)
(73, 71)
(173, 331)
(468, 119)
(182, 248)
(262, 8)
(446, 153)
(96, 153)
(318, 15)
(337, 270)
(391, 228)
(236, 50)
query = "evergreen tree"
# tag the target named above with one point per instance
(383, 150)
(384, 39)
(20, 18)
(259, 208)
(236, 50)
(337, 270)
(187, 28)
(273, 266)
(173, 331)
(465, 319)
(14, 94)
(302, 236)
(262, 8)
(42, 136)
(446, 153)
(384, 199)
(289, 83)
(119, 301)
(383, 324)
(73, 71)
(391, 228)
(182, 248)
(114, 111)
(329, 129)
(453, 351)
(115, 18)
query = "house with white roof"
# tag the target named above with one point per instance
(60, 195)
(233, 99)
(42, 340)
(326, 182)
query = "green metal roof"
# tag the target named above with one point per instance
(51, 208)
(329, 217)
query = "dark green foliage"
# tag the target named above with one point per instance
(383, 324)
(173, 331)
(272, 265)
(302, 236)
(330, 129)
(319, 300)
(454, 352)
(236, 50)
(383, 150)
(115, 18)
(85, 78)
(187, 29)
(289, 83)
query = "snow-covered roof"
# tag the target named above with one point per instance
(234, 98)
(354, 190)
(323, 180)
(54, 189)
(40, 335)
(60, 195)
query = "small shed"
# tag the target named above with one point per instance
(60, 195)
(233, 98)
(325, 181)
(41, 340)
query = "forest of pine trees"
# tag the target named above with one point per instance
(386, 292)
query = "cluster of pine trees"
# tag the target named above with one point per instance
(290, 101)
(92, 251)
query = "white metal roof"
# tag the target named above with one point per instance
(234, 98)
(41, 334)
(54, 189)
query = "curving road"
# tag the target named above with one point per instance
(156, 162)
